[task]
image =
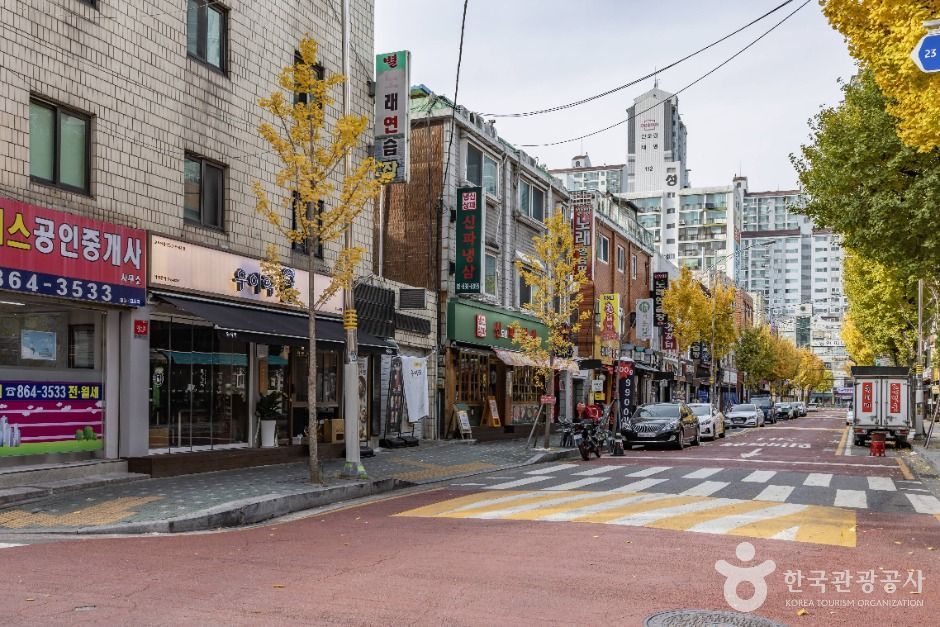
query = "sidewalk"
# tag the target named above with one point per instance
(241, 497)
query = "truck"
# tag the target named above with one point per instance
(882, 403)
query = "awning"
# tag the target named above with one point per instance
(266, 326)
(515, 358)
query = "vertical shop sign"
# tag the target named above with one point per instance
(607, 340)
(471, 214)
(660, 285)
(644, 318)
(625, 391)
(669, 337)
(583, 226)
(392, 117)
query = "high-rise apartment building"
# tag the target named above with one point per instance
(582, 176)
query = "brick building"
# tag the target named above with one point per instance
(138, 122)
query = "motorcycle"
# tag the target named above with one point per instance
(587, 439)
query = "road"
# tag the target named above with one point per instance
(844, 539)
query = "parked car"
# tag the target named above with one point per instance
(812, 407)
(711, 422)
(746, 415)
(785, 411)
(766, 405)
(662, 423)
(800, 408)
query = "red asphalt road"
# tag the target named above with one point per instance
(363, 566)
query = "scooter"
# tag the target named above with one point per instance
(586, 439)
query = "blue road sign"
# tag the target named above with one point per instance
(926, 53)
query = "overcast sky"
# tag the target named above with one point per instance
(521, 55)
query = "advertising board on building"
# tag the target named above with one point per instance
(184, 266)
(486, 325)
(52, 253)
(583, 228)
(660, 285)
(392, 113)
(50, 417)
(669, 337)
(471, 217)
(607, 338)
(644, 318)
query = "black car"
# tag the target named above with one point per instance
(663, 423)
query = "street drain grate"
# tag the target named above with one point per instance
(707, 618)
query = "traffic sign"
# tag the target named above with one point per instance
(925, 53)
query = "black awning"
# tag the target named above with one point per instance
(267, 326)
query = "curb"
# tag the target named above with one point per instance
(252, 511)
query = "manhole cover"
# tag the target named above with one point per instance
(707, 618)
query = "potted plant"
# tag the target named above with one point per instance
(270, 409)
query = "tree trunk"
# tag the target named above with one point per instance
(314, 460)
(549, 409)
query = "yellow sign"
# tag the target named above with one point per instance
(607, 338)
(491, 413)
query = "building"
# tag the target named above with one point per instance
(828, 293)
(826, 343)
(656, 143)
(125, 125)
(480, 366)
(584, 176)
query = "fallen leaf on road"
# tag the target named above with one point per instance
(629, 542)
(896, 542)
(278, 585)
(30, 599)
(802, 612)
(930, 548)
(597, 536)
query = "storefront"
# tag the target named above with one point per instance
(225, 353)
(69, 287)
(483, 363)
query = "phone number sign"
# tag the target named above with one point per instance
(30, 391)
(53, 253)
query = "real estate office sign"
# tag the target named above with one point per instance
(471, 215)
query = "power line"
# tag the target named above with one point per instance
(696, 81)
(642, 78)
(453, 115)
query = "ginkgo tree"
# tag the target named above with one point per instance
(555, 282)
(317, 200)
(686, 305)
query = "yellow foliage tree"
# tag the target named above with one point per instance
(312, 208)
(688, 309)
(881, 34)
(855, 343)
(556, 300)
(723, 333)
(811, 373)
(786, 365)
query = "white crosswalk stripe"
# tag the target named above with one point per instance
(528, 507)
(550, 469)
(818, 479)
(706, 488)
(884, 484)
(924, 504)
(851, 498)
(644, 518)
(580, 483)
(600, 470)
(702, 473)
(778, 493)
(759, 476)
(600, 507)
(8, 545)
(727, 523)
(518, 482)
(638, 486)
(646, 472)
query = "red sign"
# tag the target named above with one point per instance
(141, 327)
(867, 394)
(624, 369)
(54, 253)
(895, 398)
(583, 227)
(669, 337)
(547, 400)
(480, 325)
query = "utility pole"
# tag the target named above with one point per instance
(919, 366)
(353, 467)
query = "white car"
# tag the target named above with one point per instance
(711, 423)
(745, 415)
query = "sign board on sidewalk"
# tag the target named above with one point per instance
(491, 413)
(463, 421)
(547, 400)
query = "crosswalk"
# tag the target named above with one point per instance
(8, 545)
(858, 492)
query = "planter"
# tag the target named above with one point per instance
(268, 431)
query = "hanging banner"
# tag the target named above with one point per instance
(625, 391)
(392, 113)
(583, 226)
(607, 339)
(669, 337)
(471, 215)
(644, 318)
(415, 373)
(395, 399)
(660, 285)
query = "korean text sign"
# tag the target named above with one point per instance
(660, 285)
(471, 213)
(60, 254)
(607, 340)
(392, 116)
(50, 417)
(583, 236)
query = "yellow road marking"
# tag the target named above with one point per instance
(685, 521)
(485, 508)
(816, 524)
(434, 509)
(542, 512)
(904, 469)
(840, 450)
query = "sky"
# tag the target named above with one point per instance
(523, 55)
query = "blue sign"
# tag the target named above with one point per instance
(67, 287)
(925, 53)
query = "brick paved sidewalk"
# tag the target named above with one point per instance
(233, 497)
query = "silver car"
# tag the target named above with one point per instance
(745, 415)
(711, 422)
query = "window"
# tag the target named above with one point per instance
(482, 170)
(59, 146)
(633, 266)
(603, 249)
(525, 292)
(531, 201)
(489, 278)
(621, 259)
(206, 33)
(318, 72)
(203, 192)
(304, 246)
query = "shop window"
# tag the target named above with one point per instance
(472, 378)
(54, 339)
(203, 191)
(206, 36)
(59, 146)
(327, 378)
(525, 386)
